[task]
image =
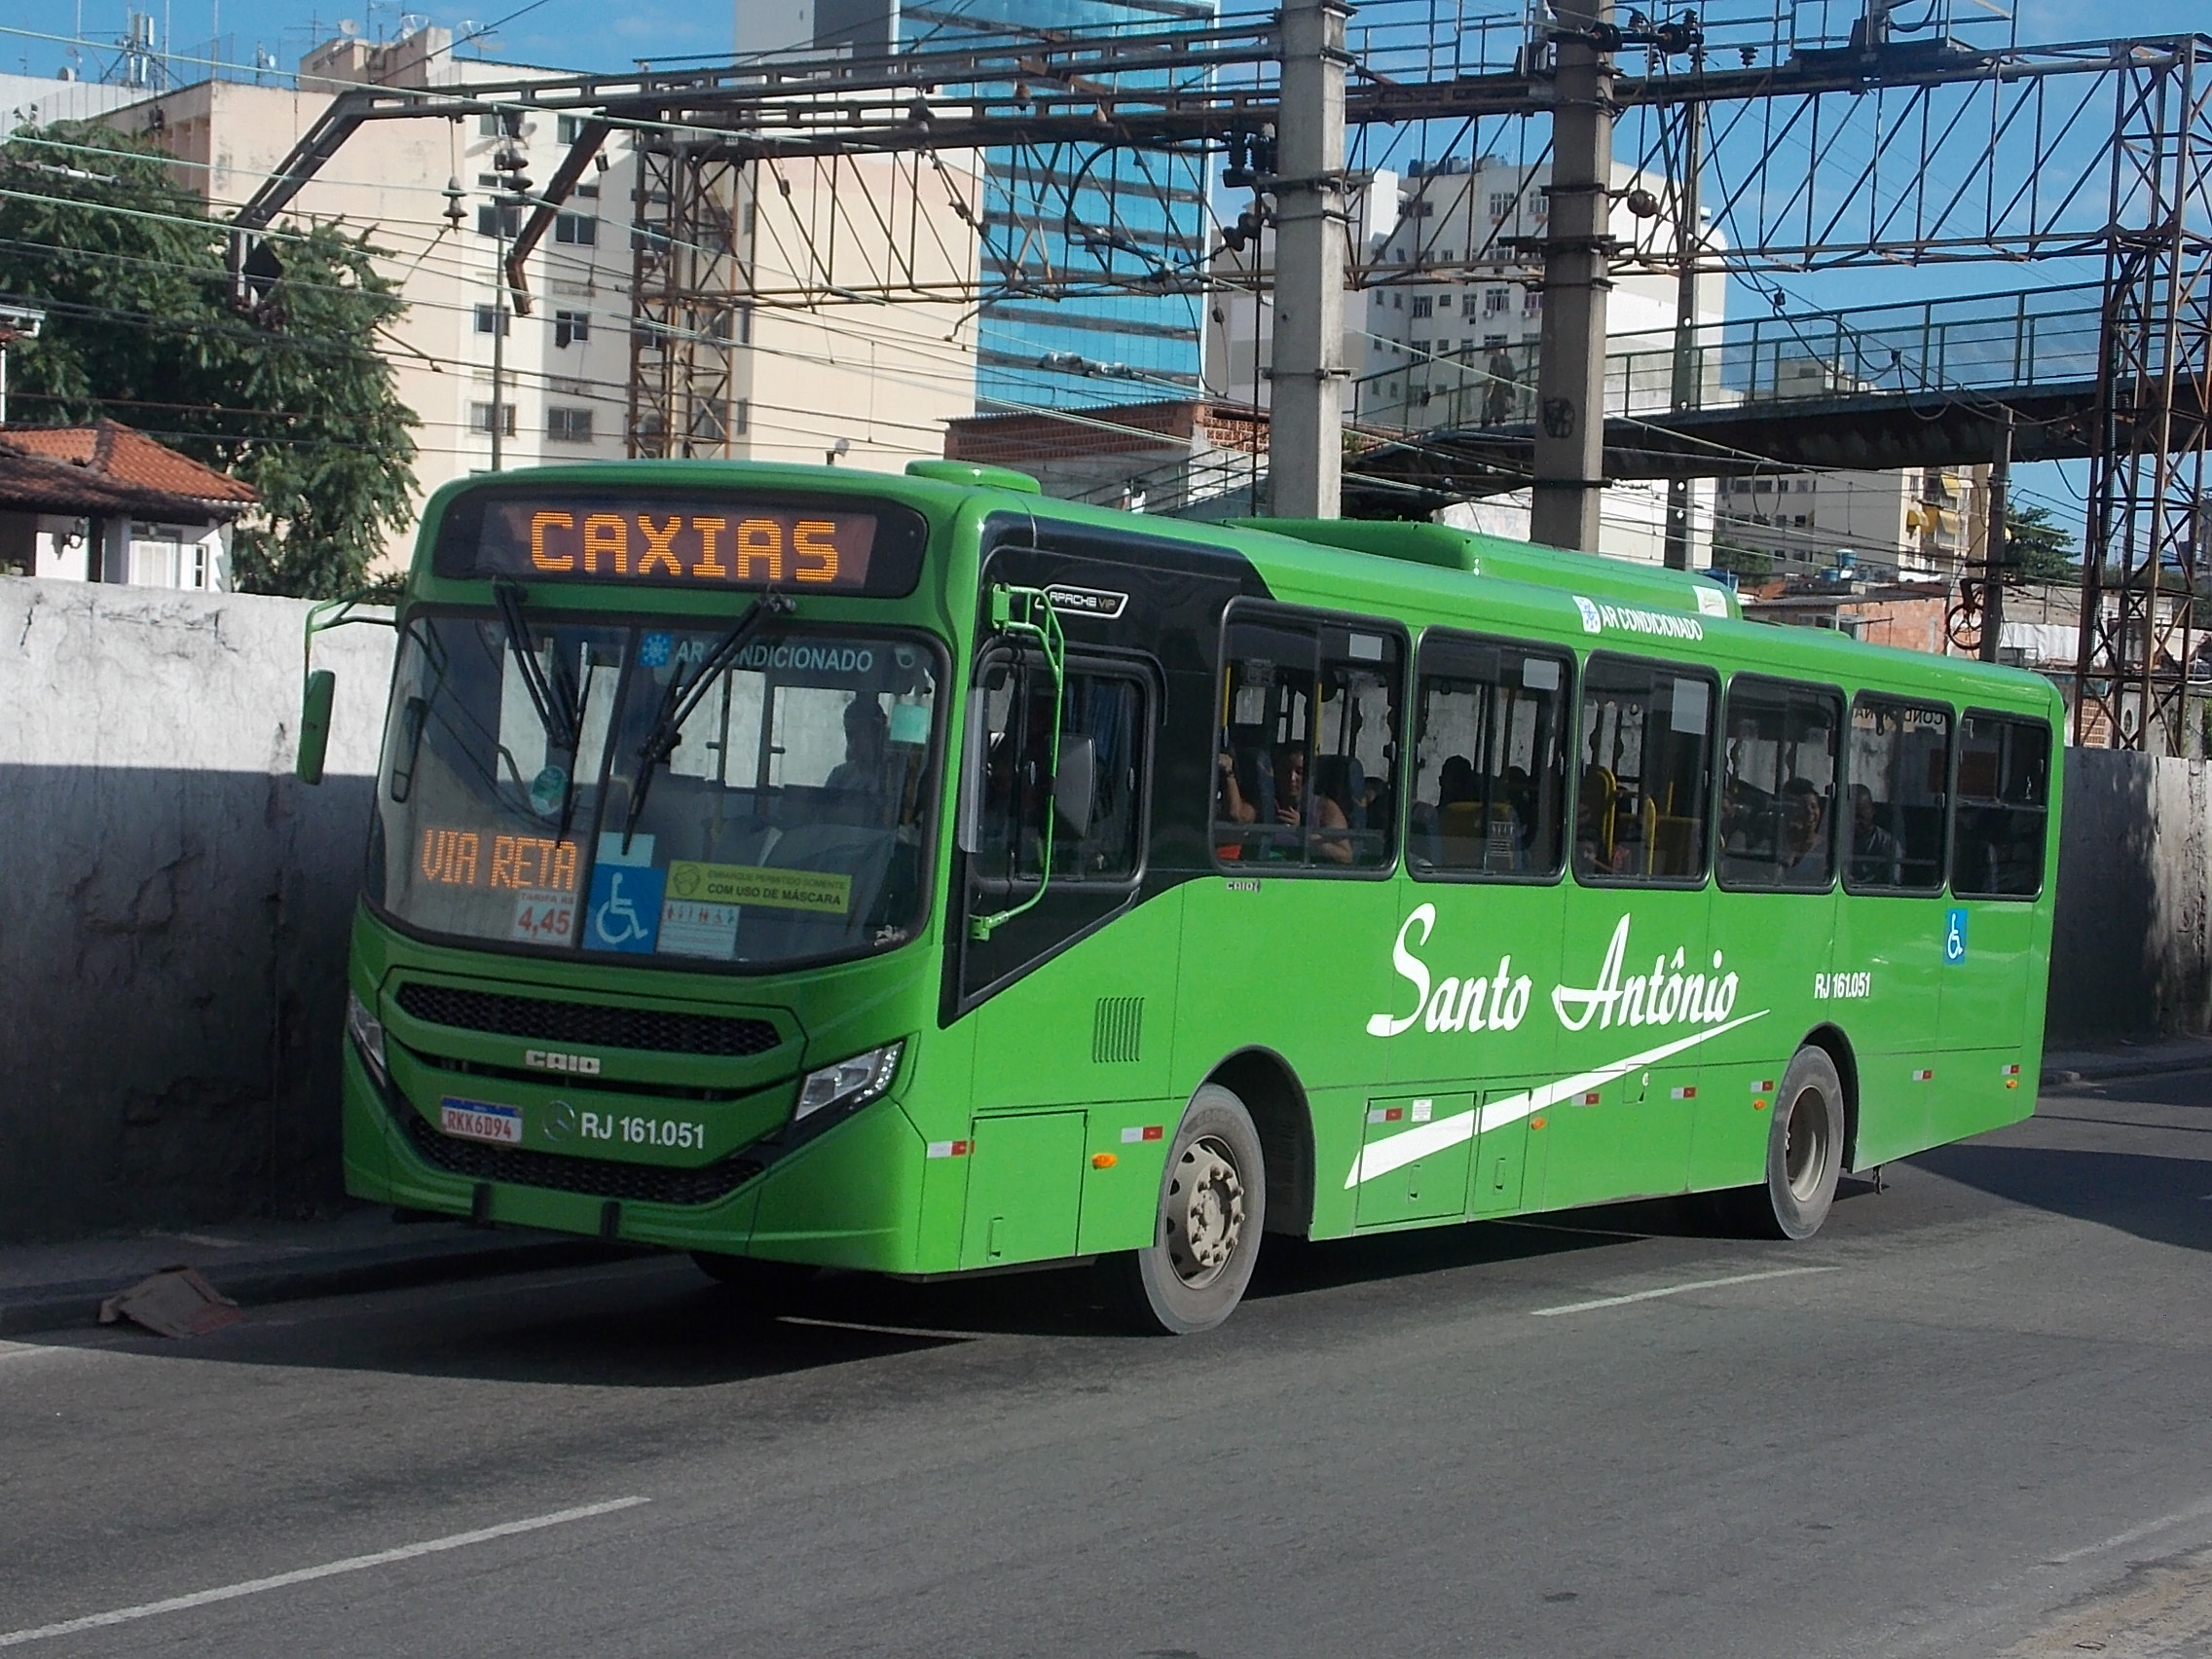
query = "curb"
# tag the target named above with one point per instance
(2055, 1077)
(75, 1306)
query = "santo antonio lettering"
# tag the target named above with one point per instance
(1676, 993)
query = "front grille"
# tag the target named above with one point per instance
(588, 1025)
(597, 1177)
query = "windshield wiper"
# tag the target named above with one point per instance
(557, 699)
(683, 695)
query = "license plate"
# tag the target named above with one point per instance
(479, 1119)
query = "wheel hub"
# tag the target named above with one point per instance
(1804, 1153)
(1205, 1211)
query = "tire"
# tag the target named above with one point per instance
(762, 1287)
(1804, 1152)
(1207, 1228)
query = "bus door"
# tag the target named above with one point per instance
(1774, 914)
(1480, 914)
(1288, 947)
(1635, 988)
(1890, 945)
(1999, 822)
(1066, 980)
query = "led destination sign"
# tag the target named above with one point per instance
(690, 540)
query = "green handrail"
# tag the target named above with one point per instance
(1024, 612)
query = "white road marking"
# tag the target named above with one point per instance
(306, 1574)
(1675, 1290)
(933, 1334)
(2134, 1534)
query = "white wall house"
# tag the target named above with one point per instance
(104, 503)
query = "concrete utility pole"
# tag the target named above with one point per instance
(1993, 542)
(1571, 377)
(1306, 420)
(1688, 239)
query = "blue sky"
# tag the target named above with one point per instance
(583, 34)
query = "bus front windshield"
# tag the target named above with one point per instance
(645, 789)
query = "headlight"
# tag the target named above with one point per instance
(849, 1083)
(367, 1032)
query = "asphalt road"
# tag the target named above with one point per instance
(1969, 1418)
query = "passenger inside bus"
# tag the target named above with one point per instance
(1804, 845)
(1290, 805)
(855, 784)
(1877, 860)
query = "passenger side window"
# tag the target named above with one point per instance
(1645, 749)
(1490, 758)
(1778, 783)
(1103, 728)
(2004, 805)
(1897, 778)
(1306, 755)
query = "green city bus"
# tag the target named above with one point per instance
(806, 868)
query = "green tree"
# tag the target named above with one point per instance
(2036, 548)
(282, 388)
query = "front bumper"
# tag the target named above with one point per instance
(849, 1196)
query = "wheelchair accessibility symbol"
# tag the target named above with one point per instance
(1954, 938)
(624, 911)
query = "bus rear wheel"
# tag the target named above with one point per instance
(1804, 1151)
(1213, 1204)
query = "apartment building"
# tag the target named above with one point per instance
(1924, 523)
(867, 386)
(1443, 323)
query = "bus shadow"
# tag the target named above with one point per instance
(657, 1324)
(653, 1325)
(2159, 1199)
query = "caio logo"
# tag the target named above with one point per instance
(573, 1065)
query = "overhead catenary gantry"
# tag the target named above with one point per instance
(1869, 154)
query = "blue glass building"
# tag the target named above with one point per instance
(1118, 234)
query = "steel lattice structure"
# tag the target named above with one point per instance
(2144, 556)
(1824, 154)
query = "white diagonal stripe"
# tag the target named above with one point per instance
(306, 1574)
(1401, 1150)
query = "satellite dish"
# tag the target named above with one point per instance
(348, 28)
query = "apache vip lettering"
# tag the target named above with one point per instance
(1675, 992)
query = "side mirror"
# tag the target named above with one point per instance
(314, 726)
(1074, 786)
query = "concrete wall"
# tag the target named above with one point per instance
(173, 912)
(2131, 954)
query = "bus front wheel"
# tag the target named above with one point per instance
(1212, 1209)
(1804, 1151)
